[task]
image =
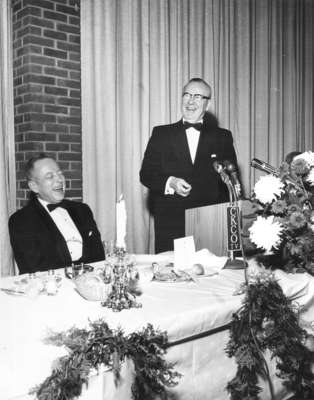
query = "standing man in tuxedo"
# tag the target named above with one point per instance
(52, 232)
(177, 166)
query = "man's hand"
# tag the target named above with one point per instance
(180, 186)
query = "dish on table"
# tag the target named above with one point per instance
(166, 273)
(91, 286)
(34, 284)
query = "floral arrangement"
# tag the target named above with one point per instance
(282, 235)
(89, 349)
(268, 320)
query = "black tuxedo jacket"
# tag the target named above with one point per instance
(167, 154)
(38, 244)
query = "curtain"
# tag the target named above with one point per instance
(137, 55)
(7, 166)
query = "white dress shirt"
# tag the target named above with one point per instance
(67, 228)
(192, 136)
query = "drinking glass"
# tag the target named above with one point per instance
(109, 248)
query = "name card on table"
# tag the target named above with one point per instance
(184, 252)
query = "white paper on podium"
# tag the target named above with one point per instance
(184, 251)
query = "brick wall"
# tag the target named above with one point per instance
(47, 88)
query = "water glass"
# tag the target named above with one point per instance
(109, 247)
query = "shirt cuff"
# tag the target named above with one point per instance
(168, 189)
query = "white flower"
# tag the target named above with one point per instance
(265, 233)
(268, 188)
(308, 156)
(310, 177)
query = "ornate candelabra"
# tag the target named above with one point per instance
(120, 273)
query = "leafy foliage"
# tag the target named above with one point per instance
(267, 321)
(91, 348)
(284, 204)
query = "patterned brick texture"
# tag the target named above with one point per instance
(47, 88)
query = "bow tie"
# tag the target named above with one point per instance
(53, 206)
(198, 126)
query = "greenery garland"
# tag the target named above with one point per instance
(267, 320)
(99, 345)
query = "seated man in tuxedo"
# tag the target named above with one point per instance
(178, 164)
(52, 232)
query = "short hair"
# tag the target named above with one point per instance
(29, 166)
(199, 80)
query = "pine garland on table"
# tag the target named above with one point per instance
(267, 320)
(101, 346)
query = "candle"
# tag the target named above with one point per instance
(121, 222)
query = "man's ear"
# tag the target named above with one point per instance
(33, 186)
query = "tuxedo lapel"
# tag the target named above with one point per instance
(180, 144)
(54, 233)
(206, 145)
(72, 210)
(201, 147)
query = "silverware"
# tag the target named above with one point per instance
(12, 291)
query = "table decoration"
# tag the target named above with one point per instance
(269, 321)
(181, 310)
(121, 223)
(282, 236)
(97, 346)
(123, 277)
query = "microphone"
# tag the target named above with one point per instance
(232, 170)
(263, 166)
(217, 165)
(220, 168)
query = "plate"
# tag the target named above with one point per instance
(17, 288)
(167, 274)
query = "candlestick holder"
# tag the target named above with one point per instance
(121, 275)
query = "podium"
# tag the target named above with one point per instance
(208, 225)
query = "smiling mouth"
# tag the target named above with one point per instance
(59, 189)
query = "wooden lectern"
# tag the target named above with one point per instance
(208, 225)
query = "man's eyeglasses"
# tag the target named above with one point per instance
(198, 97)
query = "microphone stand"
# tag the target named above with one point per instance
(234, 228)
(233, 218)
(231, 190)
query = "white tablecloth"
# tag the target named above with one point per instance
(184, 310)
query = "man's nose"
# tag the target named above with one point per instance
(59, 177)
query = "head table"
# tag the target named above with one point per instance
(195, 315)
